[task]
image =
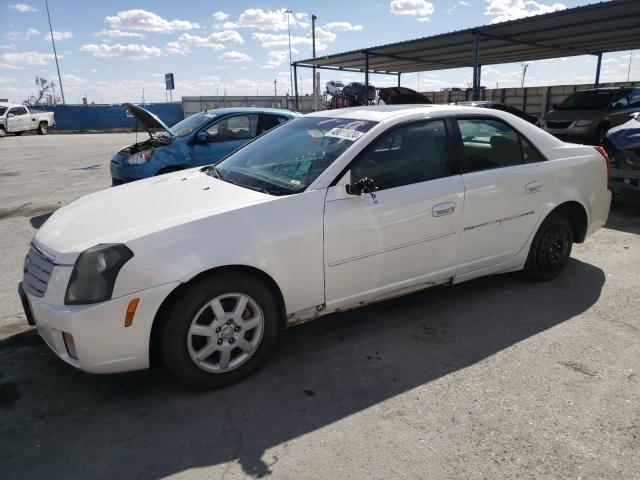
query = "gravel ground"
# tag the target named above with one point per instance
(494, 378)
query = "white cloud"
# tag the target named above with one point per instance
(235, 57)
(139, 19)
(93, 70)
(115, 33)
(269, 40)
(26, 35)
(9, 46)
(504, 10)
(343, 26)
(458, 4)
(265, 19)
(216, 41)
(125, 52)
(73, 80)
(417, 8)
(187, 40)
(275, 58)
(322, 34)
(58, 36)
(177, 48)
(221, 16)
(227, 37)
(23, 7)
(24, 59)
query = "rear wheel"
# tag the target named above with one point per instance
(550, 249)
(3, 132)
(219, 330)
(43, 128)
(601, 134)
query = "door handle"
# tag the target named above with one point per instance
(534, 187)
(443, 209)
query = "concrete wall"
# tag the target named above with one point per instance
(532, 100)
(106, 117)
(191, 105)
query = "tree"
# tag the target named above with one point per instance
(45, 93)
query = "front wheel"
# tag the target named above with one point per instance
(220, 330)
(3, 132)
(550, 249)
(43, 128)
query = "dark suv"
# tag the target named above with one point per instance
(585, 116)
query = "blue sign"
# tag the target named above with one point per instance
(168, 81)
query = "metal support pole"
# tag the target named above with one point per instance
(598, 70)
(55, 54)
(478, 80)
(398, 79)
(295, 85)
(313, 43)
(366, 73)
(476, 50)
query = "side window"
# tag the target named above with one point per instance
(634, 98)
(410, 154)
(267, 122)
(489, 144)
(621, 100)
(239, 127)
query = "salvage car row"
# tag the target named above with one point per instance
(325, 212)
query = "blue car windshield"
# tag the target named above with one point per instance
(189, 124)
(287, 159)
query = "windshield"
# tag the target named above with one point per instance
(587, 100)
(2, 110)
(290, 157)
(189, 124)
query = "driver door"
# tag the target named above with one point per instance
(407, 235)
(14, 120)
(223, 137)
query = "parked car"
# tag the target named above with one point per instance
(328, 212)
(18, 119)
(622, 143)
(334, 87)
(585, 116)
(401, 96)
(359, 91)
(501, 106)
(201, 139)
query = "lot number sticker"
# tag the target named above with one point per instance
(344, 133)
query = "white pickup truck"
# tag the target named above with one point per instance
(17, 119)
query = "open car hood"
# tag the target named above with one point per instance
(627, 135)
(149, 120)
(401, 96)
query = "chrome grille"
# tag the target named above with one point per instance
(559, 124)
(37, 271)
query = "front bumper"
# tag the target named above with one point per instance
(122, 172)
(102, 343)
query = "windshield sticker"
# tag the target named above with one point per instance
(344, 133)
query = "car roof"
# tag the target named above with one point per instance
(377, 113)
(231, 110)
(605, 89)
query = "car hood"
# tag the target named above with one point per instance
(149, 120)
(626, 136)
(573, 115)
(128, 212)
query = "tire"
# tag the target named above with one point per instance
(600, 135)
(193, 338)
(43, 128)
(3, 132)
(550, 249)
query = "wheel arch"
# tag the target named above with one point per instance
(160, 315)
(577, 215)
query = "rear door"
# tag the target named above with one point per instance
(408, 234)
(506, 180)
(225, 136)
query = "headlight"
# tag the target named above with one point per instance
(95, 272)
(583, 123)
(140, 157)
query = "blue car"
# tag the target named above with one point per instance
(201, 139)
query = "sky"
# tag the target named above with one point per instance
(116, 51)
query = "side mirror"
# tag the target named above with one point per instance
(202, 137)
(11, 115)
(364, 185)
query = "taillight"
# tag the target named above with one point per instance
(603, 152)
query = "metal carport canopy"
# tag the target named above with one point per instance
(587, 30)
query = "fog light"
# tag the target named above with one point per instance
(70, 344)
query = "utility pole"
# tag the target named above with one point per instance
(275, 93)
(55, 54)
(524, 74)
(629, 69)
(288, 12)
(315, 87)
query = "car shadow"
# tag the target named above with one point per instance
(624, 218)
(61, 423)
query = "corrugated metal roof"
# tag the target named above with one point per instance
(590, 29)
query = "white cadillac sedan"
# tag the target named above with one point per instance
(327, 212)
